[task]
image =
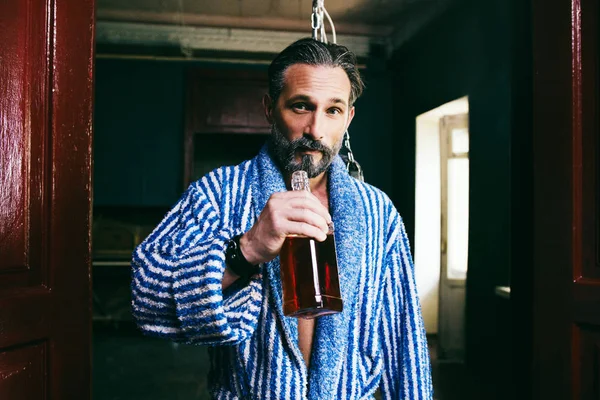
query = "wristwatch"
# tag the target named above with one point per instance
(235, 260)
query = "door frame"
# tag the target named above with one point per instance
(452, 292)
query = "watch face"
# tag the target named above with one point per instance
(233, 251)
(231, 246)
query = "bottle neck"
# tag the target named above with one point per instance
(318, 185)
(300, 181)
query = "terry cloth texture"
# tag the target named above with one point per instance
(378, 340)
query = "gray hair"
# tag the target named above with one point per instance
(312, 52)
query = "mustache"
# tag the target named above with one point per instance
(309, 144)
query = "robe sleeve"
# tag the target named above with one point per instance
(177, 273)
(407, 372)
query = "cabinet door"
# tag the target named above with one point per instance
(224, 102)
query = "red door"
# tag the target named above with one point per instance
(46, 77)
(566, 218)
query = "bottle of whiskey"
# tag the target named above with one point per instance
(309, 271)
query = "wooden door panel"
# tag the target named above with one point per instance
(46, 60)
(25, 300)
(585, 343)
(23, 26)
(586, 140)
(566, 318)
(587, 373)
(22, 373)
(586, 265)
(24, 316)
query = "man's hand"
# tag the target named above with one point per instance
(286, 213)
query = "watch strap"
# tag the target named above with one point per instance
(235, 260)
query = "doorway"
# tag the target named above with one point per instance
(442, 224)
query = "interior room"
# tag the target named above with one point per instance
(479, 121)
(178, 93)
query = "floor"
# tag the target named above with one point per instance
(453, 381)
(128, 366)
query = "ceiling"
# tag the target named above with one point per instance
(380, 17)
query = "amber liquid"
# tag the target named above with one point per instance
(303, 295)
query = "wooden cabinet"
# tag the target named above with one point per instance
(226, 101)
(225, 119)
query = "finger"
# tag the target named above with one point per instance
(304, 229)
(297, 194)
(308, 216)
(314, 206)
(298, 197)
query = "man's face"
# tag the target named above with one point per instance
(310, 118)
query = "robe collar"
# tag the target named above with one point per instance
(331, 332)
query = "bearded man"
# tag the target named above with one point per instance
(210, 273)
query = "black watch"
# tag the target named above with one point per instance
(236, 261)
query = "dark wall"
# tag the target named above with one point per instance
(465, 52)
(139, 124)
(138, 133)
(372, 128)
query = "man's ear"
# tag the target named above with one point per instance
(350, 116)
(268, 105)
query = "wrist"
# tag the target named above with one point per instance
(237, 262)
(248, 251)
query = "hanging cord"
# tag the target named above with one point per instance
(353, 167)
(317, 22)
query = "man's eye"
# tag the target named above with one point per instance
(334, 111)
(300, 107)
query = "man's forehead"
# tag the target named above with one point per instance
(330, 83)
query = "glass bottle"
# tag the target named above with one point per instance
(309, 271)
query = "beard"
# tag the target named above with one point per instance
(284, 151)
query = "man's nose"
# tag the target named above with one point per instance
(315, 126)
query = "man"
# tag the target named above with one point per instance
(209, 273)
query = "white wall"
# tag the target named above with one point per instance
(428, 209)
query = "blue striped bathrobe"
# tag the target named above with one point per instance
(377, 341)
